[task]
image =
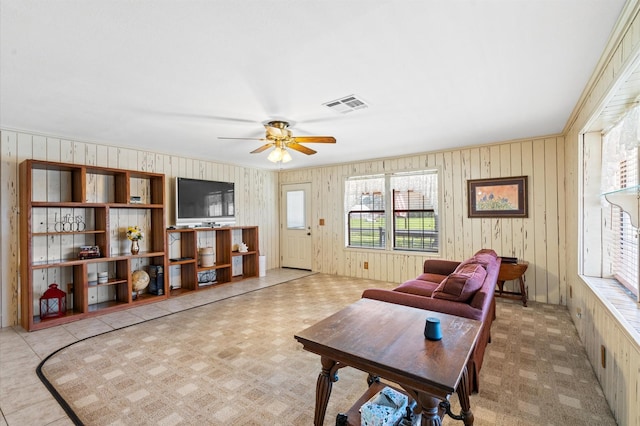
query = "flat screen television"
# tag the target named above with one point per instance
(204, 202)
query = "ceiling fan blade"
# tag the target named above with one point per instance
(262, 148)
(300, 148)
(244, 139)
(315, 139)
(196, 116)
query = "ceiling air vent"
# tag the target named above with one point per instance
(347, 104)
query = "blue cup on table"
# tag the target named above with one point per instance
(432, 329)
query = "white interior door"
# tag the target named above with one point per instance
(295, 240)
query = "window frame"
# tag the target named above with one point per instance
(620, 174)
(389, 213)
(603, 193)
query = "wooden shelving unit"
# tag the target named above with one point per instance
(66, 206)
(186, 271)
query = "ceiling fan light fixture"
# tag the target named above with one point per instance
(279, 154)
(279, 137)
(276, 155)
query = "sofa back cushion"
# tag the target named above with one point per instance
(431, 278)
(461, 285)
(440, 267)
(490, 252)
(485, 257)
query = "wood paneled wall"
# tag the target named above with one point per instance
(597, 322)
(600, 330)
(539, 239)
(256, 194)
(536, 239)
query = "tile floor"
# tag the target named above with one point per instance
(23, 398)
(25, 401)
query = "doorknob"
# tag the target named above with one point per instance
(308, 233)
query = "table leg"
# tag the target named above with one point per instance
(371, 379)
(463, 391)
(523, 292)
(323, 388)
(500, 287)
(430, 408)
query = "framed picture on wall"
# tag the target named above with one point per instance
(498, 197)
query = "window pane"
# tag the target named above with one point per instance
(620, 171)
(415, 220)
(625, 260)
(295, 210)
(364, 205)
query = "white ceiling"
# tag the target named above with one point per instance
(172, 76)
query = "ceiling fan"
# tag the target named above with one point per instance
(279, 137)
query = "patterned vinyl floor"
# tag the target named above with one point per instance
(235, 362)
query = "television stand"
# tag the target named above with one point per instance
(183, 248)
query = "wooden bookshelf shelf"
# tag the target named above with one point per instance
(94, 204)
(186, 275)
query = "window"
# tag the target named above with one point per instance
(295, 210)
(620, 174)
(403, 205)
(365, 205)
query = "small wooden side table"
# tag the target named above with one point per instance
(513, 271)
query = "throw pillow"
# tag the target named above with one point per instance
(464, 263)
(461, 285)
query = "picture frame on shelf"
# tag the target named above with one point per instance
(89, 252)
(498, 197)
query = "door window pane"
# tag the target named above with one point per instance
(295, 210)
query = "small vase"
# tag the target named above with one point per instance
(135, 248)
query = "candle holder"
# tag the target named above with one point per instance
(53, 303)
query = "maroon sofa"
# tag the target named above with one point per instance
(464, 289)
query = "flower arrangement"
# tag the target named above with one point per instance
(134, 233)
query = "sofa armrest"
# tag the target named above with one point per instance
(440, 266)
(436, 305)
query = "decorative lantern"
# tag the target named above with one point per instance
(53, 303)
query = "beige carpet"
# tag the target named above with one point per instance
(235, 362)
